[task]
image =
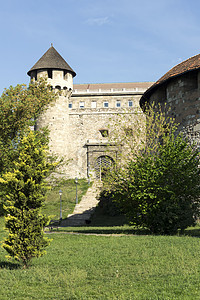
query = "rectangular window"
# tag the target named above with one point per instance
(105, 104)
(50, 74)
(93, 104)
(82, 104)
(130, 103)
(70, 105)
(118, 103)
(104, 132)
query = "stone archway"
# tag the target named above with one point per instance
(100, 155)
(102, 163)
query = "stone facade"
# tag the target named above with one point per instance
(182, 97)
(79, 120)
(83, 118)
(80, 124)
(178, 91)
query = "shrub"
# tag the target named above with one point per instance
(158, 187)
(25, 189)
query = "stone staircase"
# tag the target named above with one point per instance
(84, 210)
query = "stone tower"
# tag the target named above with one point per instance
(82, 119)
(60, 76)
(55, 68)
(178, 91)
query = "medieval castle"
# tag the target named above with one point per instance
(79, 120)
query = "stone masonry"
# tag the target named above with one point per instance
(178, 91)
(79, 120)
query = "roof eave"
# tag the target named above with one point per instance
(48, 68)
(145, 98)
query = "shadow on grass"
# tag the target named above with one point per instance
(195, 232)
(9, 265)
(105, 224)
(102, 225)
(127, 231)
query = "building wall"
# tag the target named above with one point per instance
(181, 95)
(86, 124)
(75, 130)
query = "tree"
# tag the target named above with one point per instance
(21, 104)
(158, 184)
(25, 189)
(19, 108)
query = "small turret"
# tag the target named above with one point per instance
(52, 66)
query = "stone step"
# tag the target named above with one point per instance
(83, 210)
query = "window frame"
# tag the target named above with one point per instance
(82, 105)
(94, 103)
(118, 102)
(130, 102)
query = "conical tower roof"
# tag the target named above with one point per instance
(52, 60)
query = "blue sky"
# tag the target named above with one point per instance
(102, 40)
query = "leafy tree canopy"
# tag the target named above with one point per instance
(20, 106)
(156, 181)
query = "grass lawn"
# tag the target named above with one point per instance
(130, 265)
(107, 267)
(68, 187)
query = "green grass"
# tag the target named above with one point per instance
(68, 187)
(99, 267)
(82, 264)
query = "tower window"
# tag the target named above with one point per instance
(105, 104)
(34, 75)
(70, 105)
(65, 75)
(50, 73)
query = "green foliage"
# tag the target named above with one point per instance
(25, 189)
(158, 186)
(20, 106)
(107, 205)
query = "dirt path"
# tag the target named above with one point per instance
(85, 233)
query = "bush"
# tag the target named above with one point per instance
(159, 186)
(107, 205)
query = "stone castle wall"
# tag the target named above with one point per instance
(82, 120)
(181, 95)
(77, 121)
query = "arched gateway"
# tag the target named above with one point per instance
(102, 164)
